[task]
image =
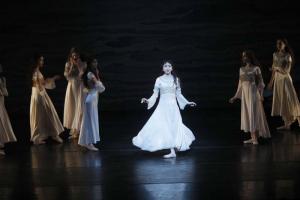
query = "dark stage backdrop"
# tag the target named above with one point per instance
(131, 38)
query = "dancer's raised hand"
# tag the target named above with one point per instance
(144, 100)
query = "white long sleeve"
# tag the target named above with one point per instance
(182, 101)
(152, 99)
(99, 87)
(98, 84)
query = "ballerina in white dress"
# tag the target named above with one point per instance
(164, 129)
(44, 121)
(250, 91)
(285, 99)
(89, 132)
(6, 132)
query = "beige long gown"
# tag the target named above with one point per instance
(6, 131)
(285, 100)
(249, 90)
(44, 121)
(72, 74)
(82, 93)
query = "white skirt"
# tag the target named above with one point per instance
(164, 129)
(89, 132)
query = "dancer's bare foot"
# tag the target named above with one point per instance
(172, 154)
(248, 141)
(74, 136)
(39, 142)
(57, 139)
(91, 147)
(255, 142)
(284, 127)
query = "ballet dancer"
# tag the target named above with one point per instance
(164, 129)
(285, 99)
(44, 121)
(89, 132)
(250, 91)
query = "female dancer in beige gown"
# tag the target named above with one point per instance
(82, 93)
(250, 91)
(6, 131)
(74, 69)
(44, 121)
(285, 100)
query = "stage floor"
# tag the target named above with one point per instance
(218, 166)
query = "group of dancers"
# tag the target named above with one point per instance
(251, 87)
(81, 102)
(80, 110)
(164, 129)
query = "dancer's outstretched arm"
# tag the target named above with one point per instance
(98, 84)
(182, 101)
(238, 92)
(151, 101)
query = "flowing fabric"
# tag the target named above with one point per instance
(250, 90)
(164, 129)
(285, 99)
(44, 121)
(6, 131)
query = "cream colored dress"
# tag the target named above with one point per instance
(72, 75)
(6, 131)
(285, 100)
(82, 93)
(249, 90)
(44, 121)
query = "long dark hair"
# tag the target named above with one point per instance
(173, 72)
(253, 61)
(34, 62)
(287, 49)
(73, 50)
(91, 69)
(33, 66)
(252, 58)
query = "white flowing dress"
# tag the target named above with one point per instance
(6, 131)
(164, 129)
(44, 121)
(89, 132)
(249, 90)
(285, 99)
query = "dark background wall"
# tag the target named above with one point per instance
(131, 38)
